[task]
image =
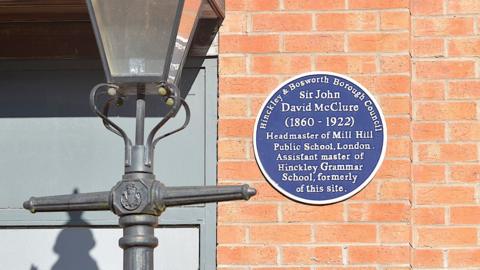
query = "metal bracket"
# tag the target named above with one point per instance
(171, 93)
(139, 195)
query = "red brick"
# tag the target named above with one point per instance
(398, 148)
(346, 21)
(464, 257)
(427, 173)
(389, 84)
(247, 213)
(463, 6)
(469, 173)
(280, 233)
(282, 22)
(265, 192)
(346, 64)
(249, 43)
(469, 131)
(464, 47)
(428, 216)
(263, 5)
(377, 4)
(395, 104)
(246, 255)
(281, 64)
(251, 5)
(428, 47)
(395, 233)
(239, 170)
(367, 193)
(379, 212)
(314, 43)
(395, 190)
(443, 237)
(256, 105)
(232, 65)
(426, 7)
(428, 90)
(279, 268)
(465, 215)
(398, 126)
(394, 169)
(311, 255)
(235, 5)
(426, 131)
(378, 42)
(232, 149)
(307, 213)
(446, 111)
(395, 64)
(233, 107)
(452, 69)
(425, 258)
(231, 234)
(444, 195)
(447, 152)
(346, 233)
(352, 268)
(230, 128)
(368, 81)
(442, 26)
(393, 180)
(379, 255)
(313, 5)
(464, 90)
(395, 20)
(247, 85)
(234, 23)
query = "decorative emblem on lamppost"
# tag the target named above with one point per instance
(143, 46)
(131, 198)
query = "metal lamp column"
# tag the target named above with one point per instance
(138, 199)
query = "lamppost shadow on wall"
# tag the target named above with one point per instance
(73, 245)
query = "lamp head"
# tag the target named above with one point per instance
(147, 41)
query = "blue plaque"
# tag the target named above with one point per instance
(320, 138)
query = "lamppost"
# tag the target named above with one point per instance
(143, 46)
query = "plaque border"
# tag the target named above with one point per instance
(338, 199)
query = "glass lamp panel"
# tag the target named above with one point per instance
(136, 35)
(190, 13)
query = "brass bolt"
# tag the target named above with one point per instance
(112, 91)
(162, 91)
(170, 101)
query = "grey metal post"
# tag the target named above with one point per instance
(138, 199)
(138, 241)
(140, 117)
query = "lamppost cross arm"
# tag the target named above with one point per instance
(95, 201)
(157, 196)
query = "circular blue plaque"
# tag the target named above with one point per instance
(319, 138)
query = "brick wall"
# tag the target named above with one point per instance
(420, 59)
(445, 133)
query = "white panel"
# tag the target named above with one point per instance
(92, 249)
